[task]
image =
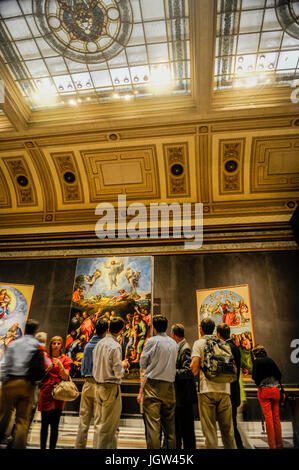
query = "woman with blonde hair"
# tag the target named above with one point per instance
(50, 408)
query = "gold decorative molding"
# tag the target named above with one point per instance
(203, 169)
(5, 198)
(64, 245)
(5, 124)
(258, 207)
(68, 176)
(231, 158)
(275, 164)
(254, 123)
(44, 174)
(21, 220)
(132, 171)
(176, 159)
(22, 180)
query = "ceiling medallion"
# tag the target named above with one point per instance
(22, 180)
(287, 12)
(69, 177)
(177, 169)
(231, 166)
(88, 31)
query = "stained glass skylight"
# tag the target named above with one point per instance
(257, 43)
(76, 50)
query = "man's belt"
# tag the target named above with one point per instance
(158, 380)
(90, 378)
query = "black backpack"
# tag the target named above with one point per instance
(219, 364)
(36, 366)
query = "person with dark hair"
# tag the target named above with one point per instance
(17, 389)
(214, 398)
(185, 391)
(87, 403)
(223, 332)
(267, 377)
(50, 408)
(158, 360)
(108, 370)
(41, 337)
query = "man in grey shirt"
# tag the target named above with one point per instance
(17, 390)
(158, 361)
(108, 370)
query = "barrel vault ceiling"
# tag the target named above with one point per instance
(162, 101)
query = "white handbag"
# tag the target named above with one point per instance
(65, 390)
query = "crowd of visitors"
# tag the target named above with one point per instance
(168, 393)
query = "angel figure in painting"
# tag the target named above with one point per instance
(16, 330)
(206, 311)
(91, 279)
(133, 278)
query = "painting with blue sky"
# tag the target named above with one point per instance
(110, 287)
(230, 305)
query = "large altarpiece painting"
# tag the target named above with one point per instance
(230, 305)
(105, 288)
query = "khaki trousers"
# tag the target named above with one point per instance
(109, 404)
(17, 395)
(213, 407)
(159, 413)
(88, 410)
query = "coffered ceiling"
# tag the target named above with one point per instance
(162, 101)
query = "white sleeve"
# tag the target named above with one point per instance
(197, 348)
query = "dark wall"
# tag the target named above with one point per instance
(53, 281)
(273, 280)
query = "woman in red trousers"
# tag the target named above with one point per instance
(267, 377)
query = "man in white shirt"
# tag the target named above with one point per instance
(214, 398)
(108, 370)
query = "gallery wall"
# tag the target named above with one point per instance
(53, 285)
(273, 279)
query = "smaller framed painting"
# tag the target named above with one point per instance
(230, 305)
(15, 302)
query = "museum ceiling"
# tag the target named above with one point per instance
(162, 101)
